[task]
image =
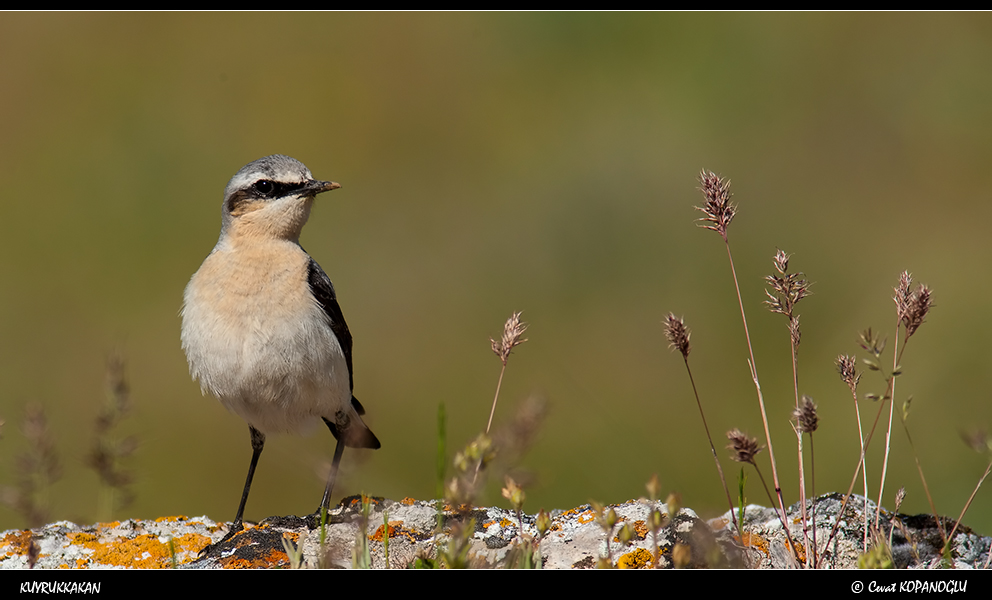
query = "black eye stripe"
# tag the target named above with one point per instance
(266, 188)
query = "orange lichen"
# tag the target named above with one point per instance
(396, 530)
(274, 558)
(83, 538)
(171, 519)
(638, 559)
(641, 529)
(800, 552)
(18, 541)
(586, 517)
(756, 541)
(408, 501)
(142, 552)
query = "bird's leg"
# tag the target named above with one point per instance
(257, 443)
(325, 503)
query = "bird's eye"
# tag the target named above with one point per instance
(264, 187)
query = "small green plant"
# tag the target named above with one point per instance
(526, 554)
(293, 551)
(385, 536)
(656, 520)
(361, 557)
(607, 520)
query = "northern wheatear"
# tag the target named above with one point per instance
(262, 329)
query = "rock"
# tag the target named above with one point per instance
(575, 540)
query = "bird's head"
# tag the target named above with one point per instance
(270, 197)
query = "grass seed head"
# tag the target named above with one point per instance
(719, 211)
(743, 448)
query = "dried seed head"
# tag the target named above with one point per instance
(606, 518)
(514, 493)
(718, 209)
(848, 373)
(794, 331)
(781, 260)
(512, 332)
(903, 295)
(744, 448)
(805, 415)
(788, 288)
(543, 523)
(654, 487)
(43, 460)
(677, 334)
(673, 503)
(872, 342)
(919, 308)
(900, 496)
(911, 306)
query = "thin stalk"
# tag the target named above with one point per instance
(850, 488)
(888, 433)
(968, 505)
(723, 479)
(896, 358)
(757, 386)
(926, 488)
(864, 471)
(799, 450)
(495, 398)
(812, 483)
(782, 517)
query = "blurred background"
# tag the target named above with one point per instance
(492, 163)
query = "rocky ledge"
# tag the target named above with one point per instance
(495, 537)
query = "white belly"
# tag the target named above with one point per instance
(257, 340)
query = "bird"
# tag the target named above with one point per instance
(262, 329)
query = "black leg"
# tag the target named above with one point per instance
(338, 451)
(257, 443)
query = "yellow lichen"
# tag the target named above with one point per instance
(638, 559)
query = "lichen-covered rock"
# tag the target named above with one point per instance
(495, 538)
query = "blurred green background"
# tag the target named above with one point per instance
(492, 163)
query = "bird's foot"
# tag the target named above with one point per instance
(323, 517)
(217, 548)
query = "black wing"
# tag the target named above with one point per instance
(323, 291)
